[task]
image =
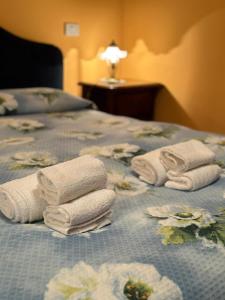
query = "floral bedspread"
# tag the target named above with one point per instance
(162, 244)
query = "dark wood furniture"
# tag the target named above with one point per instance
(131, 98)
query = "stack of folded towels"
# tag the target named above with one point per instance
(71, 196)
(185, 166)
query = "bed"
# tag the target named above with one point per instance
(133, 258)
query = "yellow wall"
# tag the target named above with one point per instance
(180, 44)
(43, 20)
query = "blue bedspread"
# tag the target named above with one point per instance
(133, 258)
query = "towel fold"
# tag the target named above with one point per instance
(96, 223)
(72, 179)
(193, 179)
(86, 213)
(186, 156)
(19, 200)
(150, 168)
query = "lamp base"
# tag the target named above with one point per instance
(111, 80)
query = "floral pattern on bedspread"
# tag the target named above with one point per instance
(162, 243)
(7, 103)
(112, 281)
(32, 159)
(180, 224)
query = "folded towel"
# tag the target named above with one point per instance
(86, 213)
(19, 201)
(150, 168)
(69, 180)
(193, 179)
(186, 156)
(94, 224)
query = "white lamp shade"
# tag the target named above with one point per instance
(113, 54)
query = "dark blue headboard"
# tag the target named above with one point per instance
(25, 63)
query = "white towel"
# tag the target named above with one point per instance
(94, 224)
(86, 213)
(69, 180)
(193, 179)
(150, 168)
(186, 156)
(19, 201)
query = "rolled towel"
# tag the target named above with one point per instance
(186, 156)
(86, 213)
(193, 179)
(150, 168)
(19, 200)
(72, 179)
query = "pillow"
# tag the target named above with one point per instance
(39, 100)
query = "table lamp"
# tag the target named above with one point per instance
(112, 56)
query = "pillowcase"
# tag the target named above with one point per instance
(39, 100)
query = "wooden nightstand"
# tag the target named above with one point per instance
(132, 98)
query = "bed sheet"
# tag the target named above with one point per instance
(135, 257)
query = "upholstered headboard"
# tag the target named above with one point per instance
(26, 63)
